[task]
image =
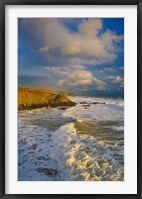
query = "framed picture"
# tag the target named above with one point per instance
(70, 99)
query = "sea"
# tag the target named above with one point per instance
(80, 143)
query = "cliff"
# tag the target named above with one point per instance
(30, 98)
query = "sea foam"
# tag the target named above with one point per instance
(75, 144)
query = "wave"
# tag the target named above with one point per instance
(112, 110)
(76, 144)
(73, 156)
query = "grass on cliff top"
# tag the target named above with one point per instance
(29, 98)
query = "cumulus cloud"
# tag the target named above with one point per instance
(76, 76)
(90, 28)
(69, 48)
(89, 45)
(115, 79)
(86, 42)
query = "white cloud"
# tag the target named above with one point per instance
(115, 79)
(75, 77)
(86, 45)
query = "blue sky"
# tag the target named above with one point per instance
(81, 55)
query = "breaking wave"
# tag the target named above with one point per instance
(81, 143)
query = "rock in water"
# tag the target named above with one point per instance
(98, 103)
(63, 108)
(87, 105)
(83, 102)
(48, 171)
(34, 146)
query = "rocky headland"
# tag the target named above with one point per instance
(31, 98)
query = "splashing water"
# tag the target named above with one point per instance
(81, 143)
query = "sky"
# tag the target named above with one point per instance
(80, 55)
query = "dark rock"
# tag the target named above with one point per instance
(47, 171)
(83, 102)
(44, 158)
(62, 100)
(34, 146)
(98, 103)
(63, 108)
(86, 106)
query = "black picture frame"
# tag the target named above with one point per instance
(3, 3)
